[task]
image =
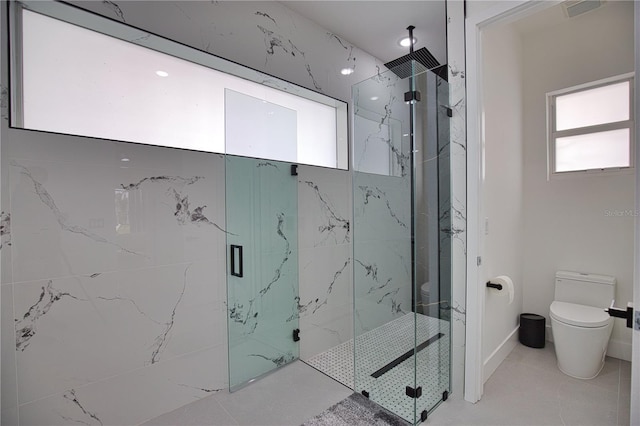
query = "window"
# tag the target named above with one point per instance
(119, 83)
(591, 126)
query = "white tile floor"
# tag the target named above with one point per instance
(529, 389)
(526, 389)
(289, 396)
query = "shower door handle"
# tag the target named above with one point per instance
(236, 261)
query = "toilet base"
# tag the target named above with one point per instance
(583, 378)
(580, 351)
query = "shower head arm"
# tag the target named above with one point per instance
(411, 28)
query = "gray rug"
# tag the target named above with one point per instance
(356, 410)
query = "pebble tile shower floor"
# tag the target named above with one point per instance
(379, 347)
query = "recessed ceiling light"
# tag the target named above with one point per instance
(162, 73)
(374, 98)
(405, 42)
(346, 71)
(124, 159)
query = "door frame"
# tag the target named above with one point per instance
(504, 12)
(501, 13)
(635, 348)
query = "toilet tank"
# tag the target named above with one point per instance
(585, 289)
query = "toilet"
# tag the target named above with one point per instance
(581, 327)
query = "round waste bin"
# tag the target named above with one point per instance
(532, 330)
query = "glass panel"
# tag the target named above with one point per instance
(262, 256)
(593, 151)
(605, 104)
(399, 209)
(271, 133)
(432, 243)
(379, 151)
(384, 326)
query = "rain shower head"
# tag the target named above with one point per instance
(402, 66)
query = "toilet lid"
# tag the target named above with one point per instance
(579, 315)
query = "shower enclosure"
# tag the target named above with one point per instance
(399, 356)
(402, 240)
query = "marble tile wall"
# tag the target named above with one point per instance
(263, 35)
(458, 211)
(113, 277)
(117, 279)
(325, 240)
(382, 249)
(113, 272)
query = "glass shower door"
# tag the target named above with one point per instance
(401, 208)
(432, 242)
(262, 267)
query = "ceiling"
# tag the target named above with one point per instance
(377, 26)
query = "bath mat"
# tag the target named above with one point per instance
(356, 410)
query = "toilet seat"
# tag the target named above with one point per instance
(579, 315)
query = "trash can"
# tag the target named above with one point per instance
(532, 330)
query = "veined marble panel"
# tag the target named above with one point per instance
(82, 219)
(382, 274)
(78, 330)
(8, 376)
(457, 96)
(328, 272)
(6, 275)
(325, 308)
(382, 249)
(265, 36)
(382, 207)
(324, 207)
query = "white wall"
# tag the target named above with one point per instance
(502, 196)
(566, 225)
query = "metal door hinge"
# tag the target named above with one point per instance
(296, 335)
(412, 96)
(414, 393)
(479, 260)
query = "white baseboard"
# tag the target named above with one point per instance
(619, 349)
(497, 356)
(616, 349)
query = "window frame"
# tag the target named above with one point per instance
(553, 134)
(74, 15)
